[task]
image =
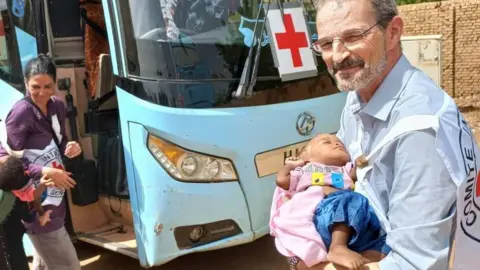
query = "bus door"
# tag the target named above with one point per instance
(17, 46)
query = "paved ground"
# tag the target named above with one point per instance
(259, 255)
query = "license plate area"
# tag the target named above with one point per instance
(272, 161)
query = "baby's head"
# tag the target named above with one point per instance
(326, 149)
(12, 174)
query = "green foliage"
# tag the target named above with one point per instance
(407, 2)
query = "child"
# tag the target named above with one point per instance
(23, 188)
(314, 207)
(13, 211)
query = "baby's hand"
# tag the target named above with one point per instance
(45, 218)
(293, 162)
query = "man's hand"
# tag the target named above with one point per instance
(330, 266)
(371, 266)
(321, 266)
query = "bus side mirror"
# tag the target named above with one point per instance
(105, 79)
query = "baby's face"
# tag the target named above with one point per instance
(329, 150)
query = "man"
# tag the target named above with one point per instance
(416, 176)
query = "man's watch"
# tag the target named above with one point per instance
(292, 263)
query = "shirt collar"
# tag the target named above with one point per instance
(387, 93)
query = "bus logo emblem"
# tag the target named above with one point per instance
(305, 123)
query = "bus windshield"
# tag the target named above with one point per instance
(191, 53)
(197, 39)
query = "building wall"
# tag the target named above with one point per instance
(458, 21)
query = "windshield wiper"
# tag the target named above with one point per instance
(253, 79)
(242, 86)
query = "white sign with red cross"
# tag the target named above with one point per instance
(3, 43)
(290, 42)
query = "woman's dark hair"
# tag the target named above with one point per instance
(12, 174)
(40, 65)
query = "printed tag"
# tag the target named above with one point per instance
(337, 180)
(318, 179)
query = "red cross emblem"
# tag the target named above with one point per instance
(292, 40)
(57, 166)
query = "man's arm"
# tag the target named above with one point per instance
(422, 194)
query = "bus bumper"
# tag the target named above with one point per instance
(173, 218)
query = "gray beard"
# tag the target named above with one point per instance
(363, 78)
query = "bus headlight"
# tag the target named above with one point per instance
(185, 165)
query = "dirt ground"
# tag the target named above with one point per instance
(259, 255)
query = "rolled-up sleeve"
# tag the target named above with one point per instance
(421, 198)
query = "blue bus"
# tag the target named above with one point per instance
(174, 161)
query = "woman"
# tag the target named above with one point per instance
(35, 130)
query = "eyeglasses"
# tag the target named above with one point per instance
(350, 40)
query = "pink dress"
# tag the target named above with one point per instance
(292, 211)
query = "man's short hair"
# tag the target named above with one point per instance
(384, 10)
(12, 174)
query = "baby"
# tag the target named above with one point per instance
(315, 209)
(22, 187)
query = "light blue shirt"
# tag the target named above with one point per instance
(409, 176)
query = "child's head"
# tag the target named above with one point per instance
(12, 174)
(327, 149)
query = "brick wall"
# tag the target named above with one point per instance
(459, 23)
(433, 19)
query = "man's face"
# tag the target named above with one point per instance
(359, 57)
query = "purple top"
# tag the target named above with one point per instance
(28, 129)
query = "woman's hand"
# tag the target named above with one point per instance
(47, 182)
(60, 177)
(73, 149)
(3, 159)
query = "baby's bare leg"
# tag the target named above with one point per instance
(339, 252)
